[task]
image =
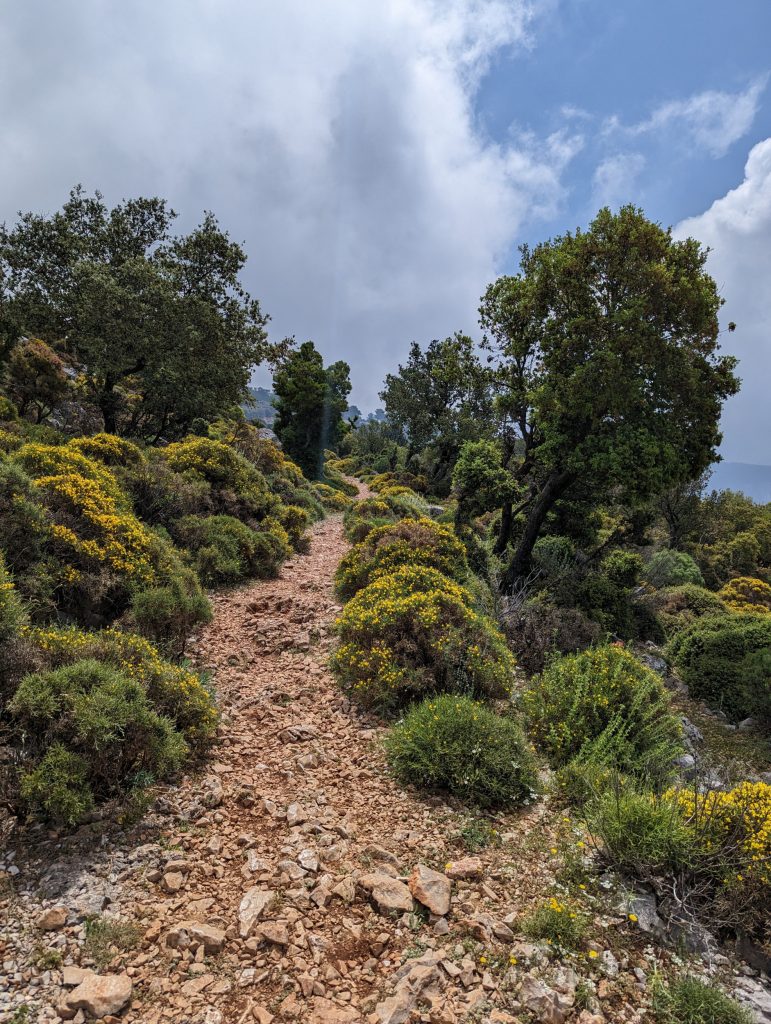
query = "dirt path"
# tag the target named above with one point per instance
(295, 811)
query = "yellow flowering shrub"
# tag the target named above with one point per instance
(409, 542)
(366, 515)
(44, 460)
(108, 448)
(413, 633)
(91, 530)
(604, 707)
(747, 594)
(740, 819)
(332, 499)
(399, 479)
(174, 691)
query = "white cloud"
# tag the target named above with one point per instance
(614, 180)
(712, 120)
(338, 140)
(737, 227)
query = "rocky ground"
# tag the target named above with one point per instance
(293, 880)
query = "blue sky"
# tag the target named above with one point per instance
(381, 162)
(625, 60)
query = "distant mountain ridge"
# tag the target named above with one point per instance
(752, 480)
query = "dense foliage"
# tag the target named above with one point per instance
(158, 329)
(455, 744)
(310, 402)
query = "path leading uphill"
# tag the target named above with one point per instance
(274, 886)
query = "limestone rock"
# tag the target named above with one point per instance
(53, 919)
(430, 888)
(251, 908)
(273, 931)
(100, 995)
(388, 893)
(193, 934)
(466, 867)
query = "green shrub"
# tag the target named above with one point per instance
(176, 692)
(557, 922)
(59, 785)
(295, 521)
(412, 633)
(553, 556)
(718, 658)
(641, 835)
(454, 744)
(102, 716)
(331, 498)
(622, 567)
(226, 551)
(677, 607)
(366, 515)
(160, 495)
(167, 615)
(604, 706)
(12, 614)
(691, 1001)
(670, 568)
(387, 548)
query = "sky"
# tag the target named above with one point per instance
(383, 161)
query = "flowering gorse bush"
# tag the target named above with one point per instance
(747, 594)
(413, 633)
(454, 744)
(109, 449)
(92, 530)
(40, 460)
(711, 848)
(410, 542)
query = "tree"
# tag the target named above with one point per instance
(606, 361)
(310, 403)
(36, 379)
(440, 398)
(161, 326)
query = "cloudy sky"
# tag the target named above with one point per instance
(383, 160)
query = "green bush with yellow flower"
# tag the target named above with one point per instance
(105, 546)
(414, 632)
(422, 542)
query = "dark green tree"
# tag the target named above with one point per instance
(161, 326)
(310, 403)
(440, 398)
(605, 350)
(36, 379)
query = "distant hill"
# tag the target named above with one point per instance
(752, 480)
(261, 406)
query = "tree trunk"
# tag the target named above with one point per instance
(519, 566)
(504, 533)
(108, 406)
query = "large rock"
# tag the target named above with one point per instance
(251, 908)
(100, 995)
(388, 893)
(417, 980)
(430, 888)
(467, 867)
(53, 919)
(193, 934)
(548, 1006)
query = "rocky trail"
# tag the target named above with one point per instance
(293, 879)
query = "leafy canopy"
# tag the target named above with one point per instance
(605, 351)
(310, 403)
(161, 326)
